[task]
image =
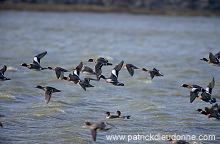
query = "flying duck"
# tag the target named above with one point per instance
(130, 68)
(102, 126)
(211, 113)
(194, 91)
(113, 79)
(58, 71)
(88, 70)
(2, 72)
(99, 63)
(207, 93)
(100, 60)
(213, 59)
(86, 83)
(48, 92)
(36, 62)
(153, 72)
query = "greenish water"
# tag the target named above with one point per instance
(171, 44)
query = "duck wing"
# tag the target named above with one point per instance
(193, 94)
(217, 55)
(77, 70)
(93, 132)
(116, 69)
(3, 70)
(210, 86)
(47, 95)
(213, 59)
(130, 68)
(37, 58)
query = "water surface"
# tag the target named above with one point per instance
(171, 44)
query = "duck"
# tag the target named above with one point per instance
(100, 60)
(194, 91)
(99, 63)
(88, 70)
(35, 65)
(177, 141)
(109, 116)
(102, 126)
(205, 93)
(211, 113)
(2, 72)
(113, 79)
(123, 117)
(58, 71)
(213, 59)
(48, 92)
(154, 72)
(85, 83)
(72, 78)
(130, 68)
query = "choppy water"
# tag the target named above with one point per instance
(172, 44)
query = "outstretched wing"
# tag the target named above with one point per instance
(213, 59)
(37, 58)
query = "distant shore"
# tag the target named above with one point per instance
(102, 9)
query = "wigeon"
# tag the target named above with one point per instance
(113, 79)
(47, 92)
(36, 62)
(130, 68)
(154, 72)
(213, 59)
(58, 71)
(102, 126)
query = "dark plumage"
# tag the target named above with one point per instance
(213, 59)
(102, 126)
(58, 71)
(48, 92)
(2, 72)
(130, 68)
(113, 79)
(154, 72)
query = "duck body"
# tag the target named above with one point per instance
(109, 116)
(120, 116)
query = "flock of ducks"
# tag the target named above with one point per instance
(74, 77)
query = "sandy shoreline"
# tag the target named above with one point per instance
(101, 9)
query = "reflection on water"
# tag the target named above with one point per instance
(171, 44)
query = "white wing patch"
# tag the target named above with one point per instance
(114, 72)
(36, 60)
(193, 89)
(75, 72)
